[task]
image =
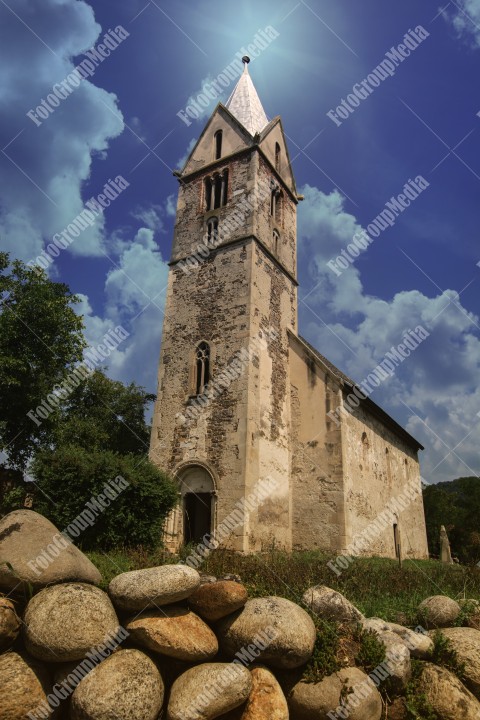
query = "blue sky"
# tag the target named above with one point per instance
(123, 121)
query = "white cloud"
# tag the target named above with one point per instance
(151, 217)
(41, 186)
(181, 162)
(134, 298)
(440, 381)
(465, 17)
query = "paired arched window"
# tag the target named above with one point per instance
(212, 230)
(202, 367)
(216, 189)
(277, 156)
(217, 140)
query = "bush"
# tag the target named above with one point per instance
(70, 476)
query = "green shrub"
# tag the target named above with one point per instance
(70, 476)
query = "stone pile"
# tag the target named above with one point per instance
(167, 643)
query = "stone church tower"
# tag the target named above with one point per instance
(242, 398)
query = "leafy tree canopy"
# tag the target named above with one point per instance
(41, 340)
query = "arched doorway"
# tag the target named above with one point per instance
(198, 503)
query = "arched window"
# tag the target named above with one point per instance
(276, 237)
(277, 156)
(218, 144)
(276, 204)
(202, 367)
(212, 231)
(273, 202)
(216, 190)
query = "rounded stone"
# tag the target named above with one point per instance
(208, 691)
(31, 543)
(448, 697)
(9, 623)
(141, 589)
(284, 631)
(472, 610)
(24, 687)
(266, 700)
(64, 622)
(438, 611)
(398, 657)
(466, 644)
(175, 631)
(214, 601)
(125, 686)
(350, 686)
(329, 604)
(419, 644)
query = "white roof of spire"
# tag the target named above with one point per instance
(245, 104)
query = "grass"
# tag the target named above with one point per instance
(377, 586)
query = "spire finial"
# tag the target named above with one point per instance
(245, 61)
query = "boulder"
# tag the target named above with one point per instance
(350, 686)
(64, 622)
(419, 644)
(24, 687)
(398, 657)
(266, 700)
(466, 643)
(9, 623)
(281, 630)
(174, 631)
(438, 611)
(213, 601)
(447, 696)
(472, 610)
(126, 686)
(27, 541)
(329, 604)
(209, 690)
(142, 589)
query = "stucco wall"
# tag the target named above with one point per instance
(317, 471)
(378, 466)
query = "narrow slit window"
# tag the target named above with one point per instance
(218, 137)
(208, 194)
(273, 203)
(277, 156)
(276, 237)
(202, 367)
(218, 192)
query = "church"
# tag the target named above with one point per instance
(243, 400)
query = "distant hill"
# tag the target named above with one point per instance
(455, 504)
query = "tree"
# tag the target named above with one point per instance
(41, 340)
(70, 476)
(102, 435)
(105, 414)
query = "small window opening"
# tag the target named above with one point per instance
(218, 144)
(277, 156)
(276, 237)
(202, 367)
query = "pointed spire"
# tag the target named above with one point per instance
(245, 104)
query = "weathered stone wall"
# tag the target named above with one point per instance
(378, 465)
(317, 467)
(232, 298)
